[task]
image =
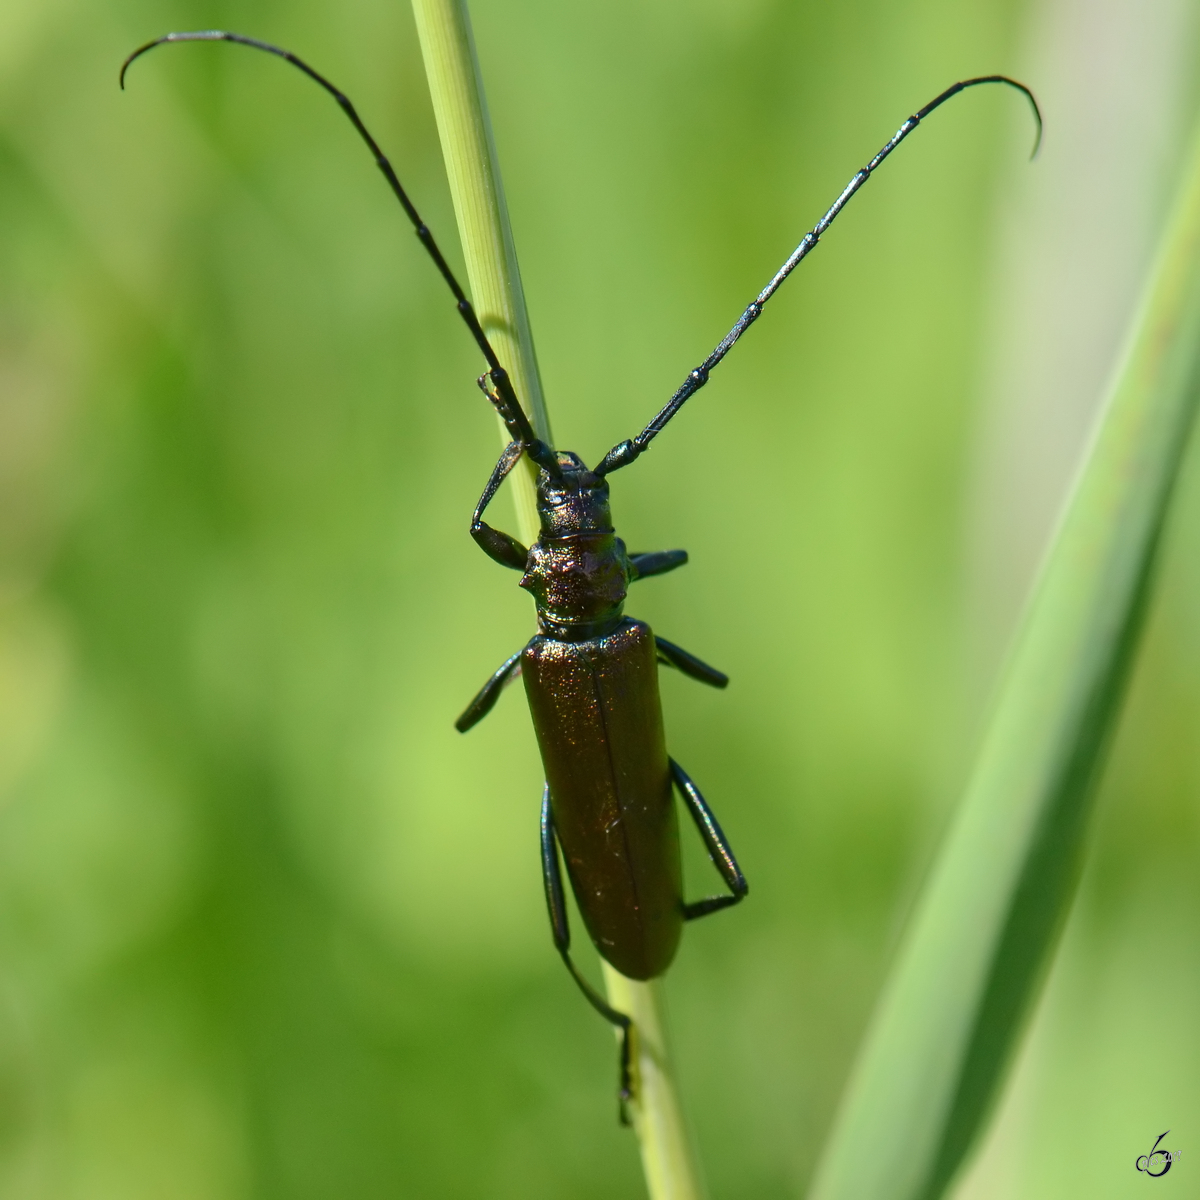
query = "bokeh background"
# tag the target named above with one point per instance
(268, 926)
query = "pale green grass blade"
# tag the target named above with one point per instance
(974, 954)
(452, 66)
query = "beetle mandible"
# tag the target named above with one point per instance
(590, 672)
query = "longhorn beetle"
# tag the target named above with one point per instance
(591, 673)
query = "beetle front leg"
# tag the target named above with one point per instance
(556, 902)
(716, 844)
(658, 562)
(497, 545)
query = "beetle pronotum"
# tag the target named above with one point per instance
(591, 673)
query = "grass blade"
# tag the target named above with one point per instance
(455, 86)
(667, 1160)
(976, 948)
(454, 81)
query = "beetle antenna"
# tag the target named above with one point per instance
(499, 376)
(625, 452)
(504, 401)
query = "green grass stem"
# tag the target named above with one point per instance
(671, 1169)
(977, 947)
(452, 66)
(456, 88)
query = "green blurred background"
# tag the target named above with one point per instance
(268, 926)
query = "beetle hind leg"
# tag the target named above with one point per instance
(717, 845)
(556, 902)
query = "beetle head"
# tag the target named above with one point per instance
(576, 502)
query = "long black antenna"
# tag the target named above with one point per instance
(626, 452)
(504, 398)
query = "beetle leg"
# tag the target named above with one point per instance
(556, 902)
(676, 656)
(716, 844)
(659, 562)
(487, 696)
(497, 545)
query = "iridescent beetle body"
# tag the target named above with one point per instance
(591, 678)
(591, 673)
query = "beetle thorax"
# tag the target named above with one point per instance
(578, 571)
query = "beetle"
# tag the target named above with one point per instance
(590, 672)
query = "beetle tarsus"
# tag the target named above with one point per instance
(560, 929)
(625, 1091)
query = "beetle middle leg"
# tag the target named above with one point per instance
(485, 699)
(556, 902)
(716, 844)
(677, 657)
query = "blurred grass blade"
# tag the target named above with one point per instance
(469, 150)
(668, 1163)
(975, 950)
